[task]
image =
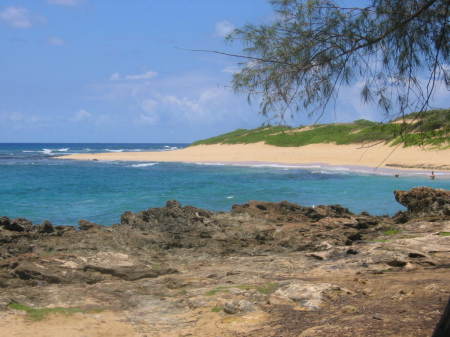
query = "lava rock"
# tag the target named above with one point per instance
(425, 201)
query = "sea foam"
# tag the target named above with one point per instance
(143, 165)
(119, 150)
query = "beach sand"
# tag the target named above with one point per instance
(367, 155)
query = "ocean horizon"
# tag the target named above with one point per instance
(36, 185)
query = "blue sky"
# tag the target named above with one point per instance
(116, 71)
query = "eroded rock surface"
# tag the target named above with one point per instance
(425, 201)
(262, 269)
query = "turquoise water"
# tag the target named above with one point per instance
(35, 185)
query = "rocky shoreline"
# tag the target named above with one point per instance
(262, 269)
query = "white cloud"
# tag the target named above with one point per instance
(16, 17)
(64, 2)
(56, 41)
(81, 115)
(186, 104)
(207, 106)
(144, 76)
(223, 28)
(193, 99)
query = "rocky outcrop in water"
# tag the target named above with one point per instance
(425, 201)
(253, 227)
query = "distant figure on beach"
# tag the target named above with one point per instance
(432, 177)
(396, 175)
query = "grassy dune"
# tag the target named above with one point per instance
(428, 128)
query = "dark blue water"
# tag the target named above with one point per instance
(35, 185)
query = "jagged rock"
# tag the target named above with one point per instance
(173, 204)
(4, 221)
(425, 201)
(85, 225)
(401, 217)
(291, 210)
(173, 218)
(46, 227)
(174, 226)
(258, 254)
(16, 225)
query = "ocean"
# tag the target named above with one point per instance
(35, 185)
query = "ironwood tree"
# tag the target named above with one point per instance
(396, 50)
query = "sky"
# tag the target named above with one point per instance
(121, 71)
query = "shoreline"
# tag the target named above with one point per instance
(368, 158)
(384, 171)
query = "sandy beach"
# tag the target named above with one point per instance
(367, 155)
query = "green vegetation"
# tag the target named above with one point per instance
(428, 128)
(392, 231)
(379, 240)
(217, 309)
(444, 233)
(268, 288)
(244, 135)
(217, 290)
(38, 314)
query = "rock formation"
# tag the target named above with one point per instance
(279, 269)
